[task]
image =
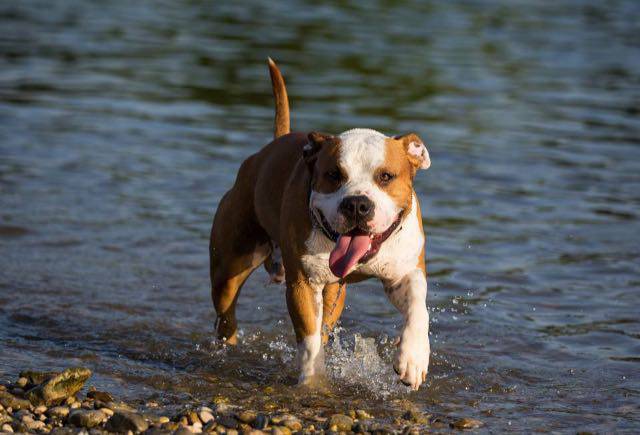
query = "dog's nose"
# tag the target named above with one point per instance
(357, 207)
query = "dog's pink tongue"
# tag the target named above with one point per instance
(347, 252)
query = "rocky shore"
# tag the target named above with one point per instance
(54, 402)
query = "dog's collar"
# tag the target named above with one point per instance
(322, 225)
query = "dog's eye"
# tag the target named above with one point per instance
(333, 175)
(386, 177)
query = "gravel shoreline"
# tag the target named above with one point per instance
(52, 402)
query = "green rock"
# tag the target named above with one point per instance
(342, 423)
(60, 387)
(8, 400)
(35, 377)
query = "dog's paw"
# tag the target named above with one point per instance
(412, 359)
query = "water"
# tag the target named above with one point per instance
(122, 124)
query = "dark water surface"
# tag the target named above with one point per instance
(122, 123)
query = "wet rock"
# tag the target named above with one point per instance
(157, 431)
(192, 417)
(36, 377)
(40, 409)
(123, 421)
(340, 422)
(8, 400)
(58, 412)
(100, 395)
(34, 426)
(205, 416)
(183, 430)
(292, 423)
(5, 418)
(361, 414)
(416, 417)
(280, 430)
(247, 416)
(6, 428)
(467, 423)
(87, 418)
(261, 421)
(22, 382)
(59, 387)
(228, 421)
(170, 426)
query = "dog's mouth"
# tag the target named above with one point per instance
(355, 246)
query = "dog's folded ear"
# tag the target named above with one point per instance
(416, 150)
(312, 148)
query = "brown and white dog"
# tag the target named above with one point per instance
(321, 211)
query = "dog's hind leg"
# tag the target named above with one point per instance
(273, 265)
(237, 247)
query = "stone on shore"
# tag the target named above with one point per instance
(59, 387)
(8, 400)
(123, 421)
(340, 423)
(87, 418)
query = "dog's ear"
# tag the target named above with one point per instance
(416, 150)
(312, 148)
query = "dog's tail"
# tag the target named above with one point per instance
(281, 122)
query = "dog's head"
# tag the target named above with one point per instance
(361, 189)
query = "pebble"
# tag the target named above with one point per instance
(205, 416)
(58, 411)
(59, 387)
(40, 409)
(7, 428)
(467, 423)
(100, 395)
(161, 420)
(8, 400)
(123, 421)
(22, 382)
(247, 416)
(108, 411)
(193, 418)
(87, 418)
(363, 415)
(261, 421)
(34, 425)
(280, 430)
(228, 421)
(342, 423)
(416, 417)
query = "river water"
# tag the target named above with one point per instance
(123, 123)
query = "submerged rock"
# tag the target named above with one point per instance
(59, 387)
(467, 423)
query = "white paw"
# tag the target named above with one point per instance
(412, 359)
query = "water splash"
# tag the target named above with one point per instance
(357, 363)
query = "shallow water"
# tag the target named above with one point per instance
(122, 124)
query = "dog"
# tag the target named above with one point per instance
(320, 211)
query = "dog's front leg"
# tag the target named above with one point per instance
(409, 295)
(304, 301)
